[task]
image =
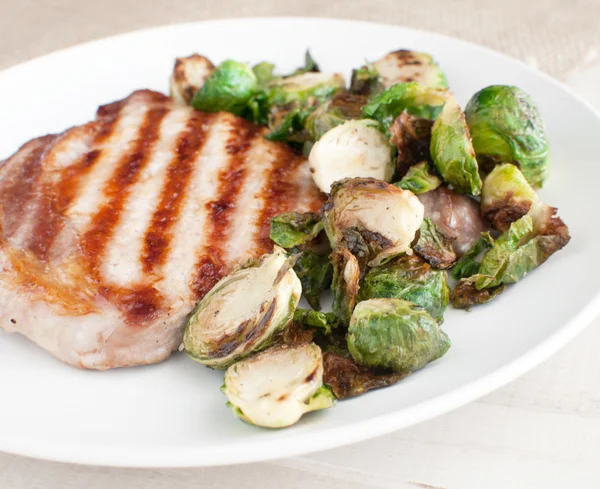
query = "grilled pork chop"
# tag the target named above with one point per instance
(112, 231)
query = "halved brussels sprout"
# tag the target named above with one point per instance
(345, 283)
(452, 151)
(505, 196)
(434, 246)
(315, 273)
(229, 88)
(343, 107)
(394, 334)
(374, 220)
(189, 74)
(243, 312)
(412, 136)
(401, 66)
(506, 127)
(410, 278)
(415, 99)
(419, 179)
(355, 148)
(276, 387)
(295, 228)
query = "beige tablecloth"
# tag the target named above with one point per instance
(541, 431)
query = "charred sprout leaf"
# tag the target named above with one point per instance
(507, 128)
(506, 196)
(356, 148)
(345, 284)
(394, 334)
(342, 107)
(366, 81)
(244, 312)
(310, 65)
(320, 321)
(374, 220)
(295, 228)
(527, 243)
(189, 74)
(452, 151)
(406, 66)
(346, 378)
(412, 136)
(466, 294)
(276, 387)
(228, 88)
(286, 123)
(410, 278)
(315, 273)
(468, 264)
(415, 99)
(264, 73)
(419, 179)
(434, 246)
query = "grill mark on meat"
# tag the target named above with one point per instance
(55, 199)
(279, 186)
(210, 269)
(21, 188)
(160, 232)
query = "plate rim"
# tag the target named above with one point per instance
(265, 450)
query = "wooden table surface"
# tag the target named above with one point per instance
(540, 431)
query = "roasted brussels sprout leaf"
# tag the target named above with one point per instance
(228, 88)
(264, 73)
(505, 196)
(506, 127)
(412, 136)
(356, 148)
(374, 220)
(322, 322)
(415, 99)
(394, 334)
(343, 107)
(276, 387)
(365, 81)
(345, 283)
(295, 228)
(419, 179)
(310, 65)
(346, 378)
(452, 151)
(315, 273)
(410, 278)
(244, 312)
(470, 262)
(189, 74)
(465, 294)
(434, 246)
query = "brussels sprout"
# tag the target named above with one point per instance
(419, 179)
(229, 88)
(276, 387)
(353, 149)
(466, 294)
(243, 312)
(410, 278)
(452, 151)
(394, 334)
(315, 273)
(320, 321)
(415, 99)
(343, 107)
(505, 196)
(295, 228)
(507, 128)
(434, 246)
(374, 220)
(401, 66)
(189, 74)
(468, 264)
(345, 283)
(412, 136)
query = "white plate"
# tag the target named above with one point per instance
(173, 414)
